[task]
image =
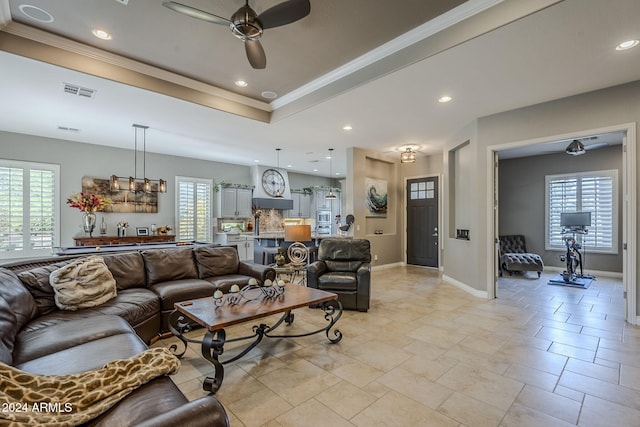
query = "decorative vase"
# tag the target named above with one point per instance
(122, 232)
(89, 222)
(103, 227)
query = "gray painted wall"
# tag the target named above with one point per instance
(78, 159)
(522, 200)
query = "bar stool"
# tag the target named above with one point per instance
(268, 254)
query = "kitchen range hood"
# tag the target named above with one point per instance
(262, 199)
(272, 203)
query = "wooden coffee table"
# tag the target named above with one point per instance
(215, 315)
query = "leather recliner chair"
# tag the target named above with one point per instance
(343, 267)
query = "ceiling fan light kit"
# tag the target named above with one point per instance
(575, 148)
(248, 26)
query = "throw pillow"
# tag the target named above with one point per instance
(164, 265)
(214, 262)
(84, 283)
(36, 280)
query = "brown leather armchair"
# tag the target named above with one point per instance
(343, 267)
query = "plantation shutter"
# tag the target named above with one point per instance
(203, 212)
(42, 198)
(597, 198)
(29, 215)
(194, 209)
(11, 209)
(594, 192)
(563, 197)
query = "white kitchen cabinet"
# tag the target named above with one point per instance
(320, 198)
(233, 202)
(301, 206)
(324, 204)
(243, 242)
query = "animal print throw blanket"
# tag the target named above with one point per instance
(70, 400)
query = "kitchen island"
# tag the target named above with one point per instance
(273, 239)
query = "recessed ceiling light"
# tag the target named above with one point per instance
(241, 83)
(337, 173)
(289, 166)
(269, 94)
(257, 161)
(444, 99)
(347, 127)
(628, 44)
(315, 170)
(36, 13)
(101, 34)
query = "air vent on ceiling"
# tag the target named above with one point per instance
(82, 92)
(68, 129)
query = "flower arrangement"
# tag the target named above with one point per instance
(88, 203)
(164, 229)
(122, 224)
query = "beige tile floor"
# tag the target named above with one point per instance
(429, 354)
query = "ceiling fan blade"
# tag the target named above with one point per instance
(596, 146)
(195, 13)
(285, 13)
(255, 54)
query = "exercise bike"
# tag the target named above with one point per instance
(573, 259)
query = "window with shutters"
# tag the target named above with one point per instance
(29, 209)
(194, 209)
(595, 192)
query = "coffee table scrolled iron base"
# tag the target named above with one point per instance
(212, 344)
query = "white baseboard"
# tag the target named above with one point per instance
(468, 289)
(613, 274)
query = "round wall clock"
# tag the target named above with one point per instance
(273, 183)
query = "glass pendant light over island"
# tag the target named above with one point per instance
(331, 195)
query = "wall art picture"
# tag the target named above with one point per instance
(376, 193)
(124, 201)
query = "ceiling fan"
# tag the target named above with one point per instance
(248, 26)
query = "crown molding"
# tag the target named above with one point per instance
(92, 53)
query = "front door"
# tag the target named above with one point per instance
(422, 221)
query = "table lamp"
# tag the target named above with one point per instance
(298, 251)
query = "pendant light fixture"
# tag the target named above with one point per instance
(147, 184)
(330, 195)
(408, 156)
(278, 194)
(575, 148)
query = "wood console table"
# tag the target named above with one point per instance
(115, 240)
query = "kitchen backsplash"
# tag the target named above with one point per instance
(271, 220)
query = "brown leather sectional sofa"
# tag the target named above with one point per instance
(37, 337)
